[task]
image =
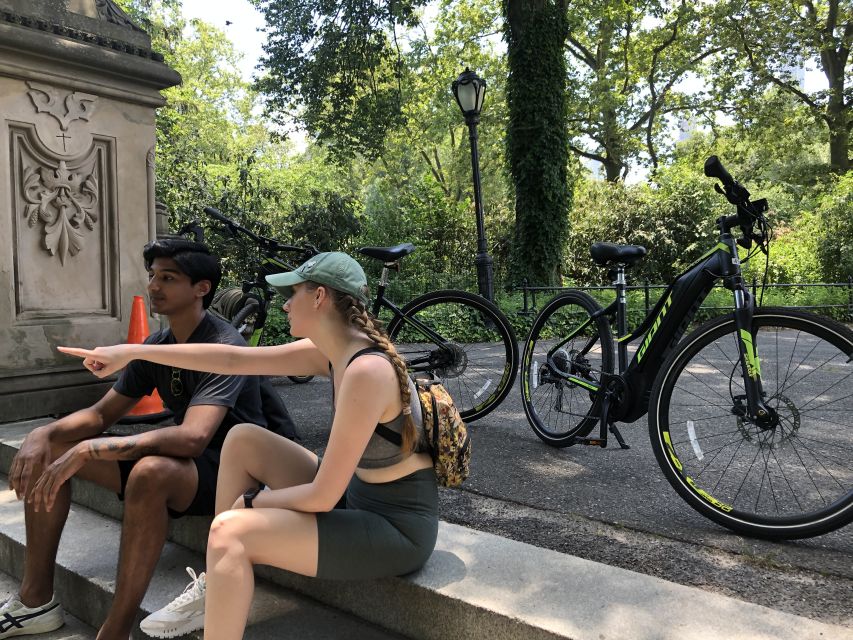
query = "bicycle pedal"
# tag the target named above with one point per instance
(591, 442)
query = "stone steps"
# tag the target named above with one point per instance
(85, 579)
(476, 585)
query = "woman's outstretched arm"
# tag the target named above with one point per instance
(300, 358)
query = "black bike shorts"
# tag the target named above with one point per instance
(204, 502)
(386, 529)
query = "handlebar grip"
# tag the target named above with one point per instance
(216, 214)
(715, 169)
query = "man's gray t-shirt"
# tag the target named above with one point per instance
(240, 394)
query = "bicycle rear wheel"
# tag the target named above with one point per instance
(463, 339)
(565, 341)
(792, 478)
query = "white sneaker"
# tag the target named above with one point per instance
(16, 619)
(182, 615)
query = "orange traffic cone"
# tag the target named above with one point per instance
(149, 407)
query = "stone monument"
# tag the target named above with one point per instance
(79, 85)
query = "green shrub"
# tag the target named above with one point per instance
(675, 222)
(835, 215)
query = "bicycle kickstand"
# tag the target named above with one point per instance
(612, 427)
(601, 441)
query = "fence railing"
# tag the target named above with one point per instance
(839, 310)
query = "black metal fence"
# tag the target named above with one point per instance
(839, 305)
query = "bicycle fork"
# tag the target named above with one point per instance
(755, 410)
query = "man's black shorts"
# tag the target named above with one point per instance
(204, 502)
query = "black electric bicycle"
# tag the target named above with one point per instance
(750, 415)
(457, 336)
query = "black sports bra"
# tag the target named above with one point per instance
(383, 448)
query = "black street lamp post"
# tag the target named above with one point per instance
(469, 89)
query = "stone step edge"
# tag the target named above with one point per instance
(356, 598)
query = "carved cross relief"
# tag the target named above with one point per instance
(63, 201)
(65, 106)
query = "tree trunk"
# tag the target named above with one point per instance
(837, 116)
(839, 144)
(834, 61)
(613, 170)
(537, 138)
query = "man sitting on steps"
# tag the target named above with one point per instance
(168, 471)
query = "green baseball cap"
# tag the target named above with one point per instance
(333, 269)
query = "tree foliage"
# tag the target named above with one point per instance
(768, 40)
(626, 60)
(835, 224)
(339, 65)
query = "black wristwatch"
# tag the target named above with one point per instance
(250, 495)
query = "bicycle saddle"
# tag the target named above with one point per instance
(605, 253)
(388, 254)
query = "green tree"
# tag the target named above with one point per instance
(207, 139)
(537, 139)
(835, 251)
(626, 60)
(768, 40)
(339, 65)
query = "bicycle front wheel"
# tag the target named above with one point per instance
(564, 357)
(463, 339)
(789, 478)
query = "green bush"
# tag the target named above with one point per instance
(675, 222)
(835, 216)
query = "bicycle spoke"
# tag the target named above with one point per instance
(845, 378)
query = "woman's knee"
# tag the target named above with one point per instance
(240, 435)
(226, 532)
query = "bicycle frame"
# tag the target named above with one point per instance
(380, 302)
(628, 391)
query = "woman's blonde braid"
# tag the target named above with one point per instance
(357, 315)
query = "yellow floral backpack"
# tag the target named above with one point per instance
(446, 434)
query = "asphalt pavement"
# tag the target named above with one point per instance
(614, 506)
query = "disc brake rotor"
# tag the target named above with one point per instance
(775, 437)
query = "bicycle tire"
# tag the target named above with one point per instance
(588, 355)
(481, 354)
(243, 319)
(792, 480)
(226, 302)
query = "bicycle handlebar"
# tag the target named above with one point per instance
(715, 169)
(748, 213)
(270, 244)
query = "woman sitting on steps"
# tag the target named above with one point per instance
(389, 523)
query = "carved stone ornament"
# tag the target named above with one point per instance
(108, 11)
(65, 106)
(64, 202)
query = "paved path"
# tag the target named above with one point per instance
(615, 506)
